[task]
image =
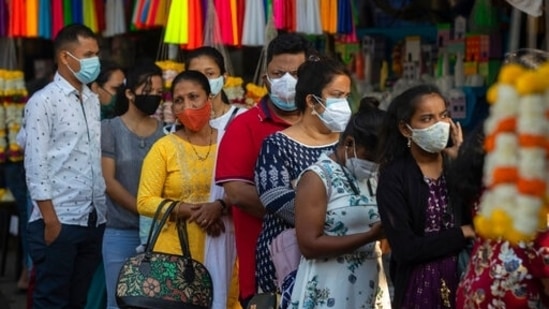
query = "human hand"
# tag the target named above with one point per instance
(456, 134)
(216, 228)
(468, 231)
(52, 229)
(206, 214)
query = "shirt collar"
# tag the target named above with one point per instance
(266, 112)
(67, 88)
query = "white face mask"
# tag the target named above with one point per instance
(360, 168)
(282, 92)
(336, 115)
(216, 84)
(432, 139)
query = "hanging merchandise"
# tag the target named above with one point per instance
(196, 25)
(13, 96)
(328, 17)
(253, 33)
(168, 58)
(88, 15)
(530, 7)
(227, 14)
(31, 8)
(115, 18)
(45, 19)
(213, 35)
(67, 12)
(178, 19)
(308, 17)
(344, 17)
(77, 11)
(17, 22)
(515, 206)
(3, 18)
(57, 17)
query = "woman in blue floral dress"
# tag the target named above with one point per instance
(338, 225)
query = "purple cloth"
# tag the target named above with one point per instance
(426, 279)
(3, 19)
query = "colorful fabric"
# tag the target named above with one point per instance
(279, 164)
(353, 280)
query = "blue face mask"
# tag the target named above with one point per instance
(89, 69)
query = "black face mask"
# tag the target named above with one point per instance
(147, 103)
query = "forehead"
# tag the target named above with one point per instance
(187, 86)
(430, 104)
(286, 62)
(116, 77)
(84, 45)
(340, 82)
(202, 62)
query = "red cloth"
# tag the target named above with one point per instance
(502, 276)
(239, 150)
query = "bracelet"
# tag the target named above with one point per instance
(223, 204)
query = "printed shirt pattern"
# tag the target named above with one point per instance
(280, 162)
(63, 152)
(353, 280)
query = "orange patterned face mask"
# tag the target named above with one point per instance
(195, 119)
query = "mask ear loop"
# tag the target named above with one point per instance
(355, 189)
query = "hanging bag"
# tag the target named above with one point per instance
(161, 280)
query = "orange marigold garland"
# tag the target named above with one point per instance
(514, 207)
(13, 96)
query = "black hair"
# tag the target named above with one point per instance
(70, 34)
(209, 52)
(193, 76)
(465, 171)
(137, 76)
(364, 126)
(313, 76)
(107, 68)
(288, 43)
(392, 143)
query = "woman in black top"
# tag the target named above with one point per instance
(424, 231)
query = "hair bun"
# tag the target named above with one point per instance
(368, 104)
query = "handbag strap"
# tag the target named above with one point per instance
(188, 273)
(155, 221)
(159, 222)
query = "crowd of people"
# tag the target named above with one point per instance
(289, 197)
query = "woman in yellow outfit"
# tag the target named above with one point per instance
(180, 167)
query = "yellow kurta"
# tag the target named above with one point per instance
(162, 178)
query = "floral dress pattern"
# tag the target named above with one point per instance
(500, 275)
(353, 280)
(433, 284)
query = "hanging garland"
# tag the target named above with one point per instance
(515, 205)
(13, 96)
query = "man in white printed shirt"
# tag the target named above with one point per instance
(63, 166)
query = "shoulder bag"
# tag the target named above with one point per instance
(160, 280)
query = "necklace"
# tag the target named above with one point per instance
(200, 158)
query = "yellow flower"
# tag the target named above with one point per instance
(232, 81)
(528, 83)
(492, 94)
(510, 72)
